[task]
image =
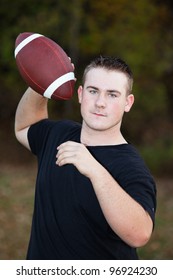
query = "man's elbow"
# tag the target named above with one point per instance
(140, 238)
(21, 136)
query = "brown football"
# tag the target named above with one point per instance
(44, 66)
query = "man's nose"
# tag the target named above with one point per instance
(101, 100)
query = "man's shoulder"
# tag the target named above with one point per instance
(66, 130)
(66, 125)
(49, 123)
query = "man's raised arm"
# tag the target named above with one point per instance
(31, 109)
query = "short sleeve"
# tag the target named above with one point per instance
(139, 184)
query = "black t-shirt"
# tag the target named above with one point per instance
(68, 222)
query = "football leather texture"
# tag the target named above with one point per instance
(44, 66)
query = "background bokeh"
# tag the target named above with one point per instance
(140, 32)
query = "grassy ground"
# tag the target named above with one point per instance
(16, 205)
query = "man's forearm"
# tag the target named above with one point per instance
(126, 217)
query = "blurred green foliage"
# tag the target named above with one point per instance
(138, 31)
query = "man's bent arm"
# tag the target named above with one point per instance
(126, 217)
(31, 109)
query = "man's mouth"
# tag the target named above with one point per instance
(99, 114)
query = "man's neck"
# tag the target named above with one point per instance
(91, 137)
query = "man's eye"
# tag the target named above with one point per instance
(112, 95)
(93, 91)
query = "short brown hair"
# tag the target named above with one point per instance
(112, 64)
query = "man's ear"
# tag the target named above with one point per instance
(129, 102)
(80, 90)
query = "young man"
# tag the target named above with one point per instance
(95, 198)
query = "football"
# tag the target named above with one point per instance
(44, 66)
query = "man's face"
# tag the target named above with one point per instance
(104, 99)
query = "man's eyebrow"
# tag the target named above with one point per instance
(92, 87)
(113, 91)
